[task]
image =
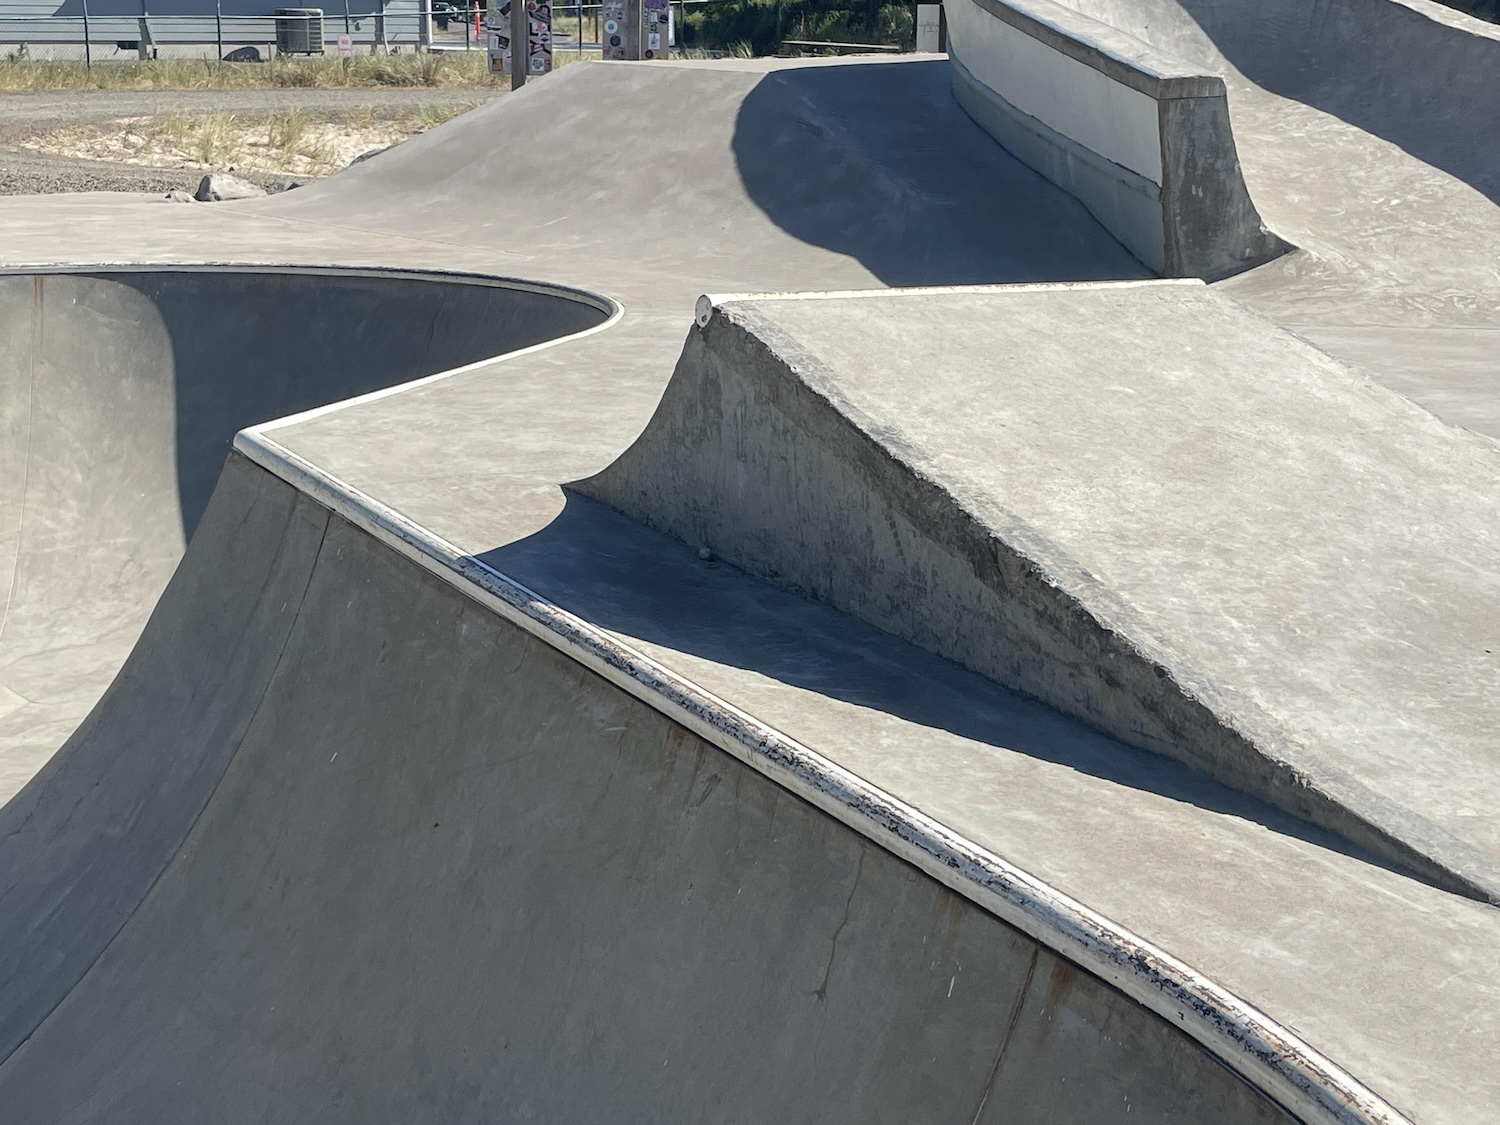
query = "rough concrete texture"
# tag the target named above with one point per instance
(846, 175)
(442, 870)
(1142, 504)
(119, 396)
(1182, 207)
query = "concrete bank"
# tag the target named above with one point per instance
(120, 392)
(1140, 503)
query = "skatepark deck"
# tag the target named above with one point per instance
(435, 789)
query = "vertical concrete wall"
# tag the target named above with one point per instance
(1142, 139)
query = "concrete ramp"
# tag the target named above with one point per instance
(119, 395)
(1141, 503)
(393, 857)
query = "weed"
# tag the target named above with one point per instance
(286, 130)
(20, 73)
(216, 141)
(432, 68)
(431, 116)
(176, 128)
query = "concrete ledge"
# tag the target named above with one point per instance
(1127, 203)
(1142, 140)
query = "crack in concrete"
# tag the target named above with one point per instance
(1010, 1030)
(821, 992)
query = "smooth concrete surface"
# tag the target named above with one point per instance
(1143, 504)
(119, 396)
(1089, 105)
(1143, 139)
(826, 175)
(1368, 136)
(449, 873)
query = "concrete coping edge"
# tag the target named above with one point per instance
(708, 302)
(611, 308)
(1270, 1057)
(1114, 53)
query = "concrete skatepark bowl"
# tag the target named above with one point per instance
(841, 640)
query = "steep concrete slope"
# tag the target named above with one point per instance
(119, 396)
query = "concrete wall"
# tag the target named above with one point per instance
(1141, 138)
(344, 845)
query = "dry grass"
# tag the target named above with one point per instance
(453, 70)
(294, 142)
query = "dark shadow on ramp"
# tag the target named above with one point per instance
(878, 161)
(625, 577)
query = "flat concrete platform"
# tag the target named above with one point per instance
(235, 921)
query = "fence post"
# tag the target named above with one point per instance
(219, 26)
(88, 54)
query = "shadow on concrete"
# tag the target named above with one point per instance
(631, 580)
(248, 346)
(1393, 71)
(879, 162)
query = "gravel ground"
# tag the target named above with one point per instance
(30, 173)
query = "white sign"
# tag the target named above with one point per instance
(930, 28)
(345, 46)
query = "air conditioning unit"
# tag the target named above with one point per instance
(299, 31)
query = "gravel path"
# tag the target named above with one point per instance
(31, 173)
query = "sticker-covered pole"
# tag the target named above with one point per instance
(520, 44)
